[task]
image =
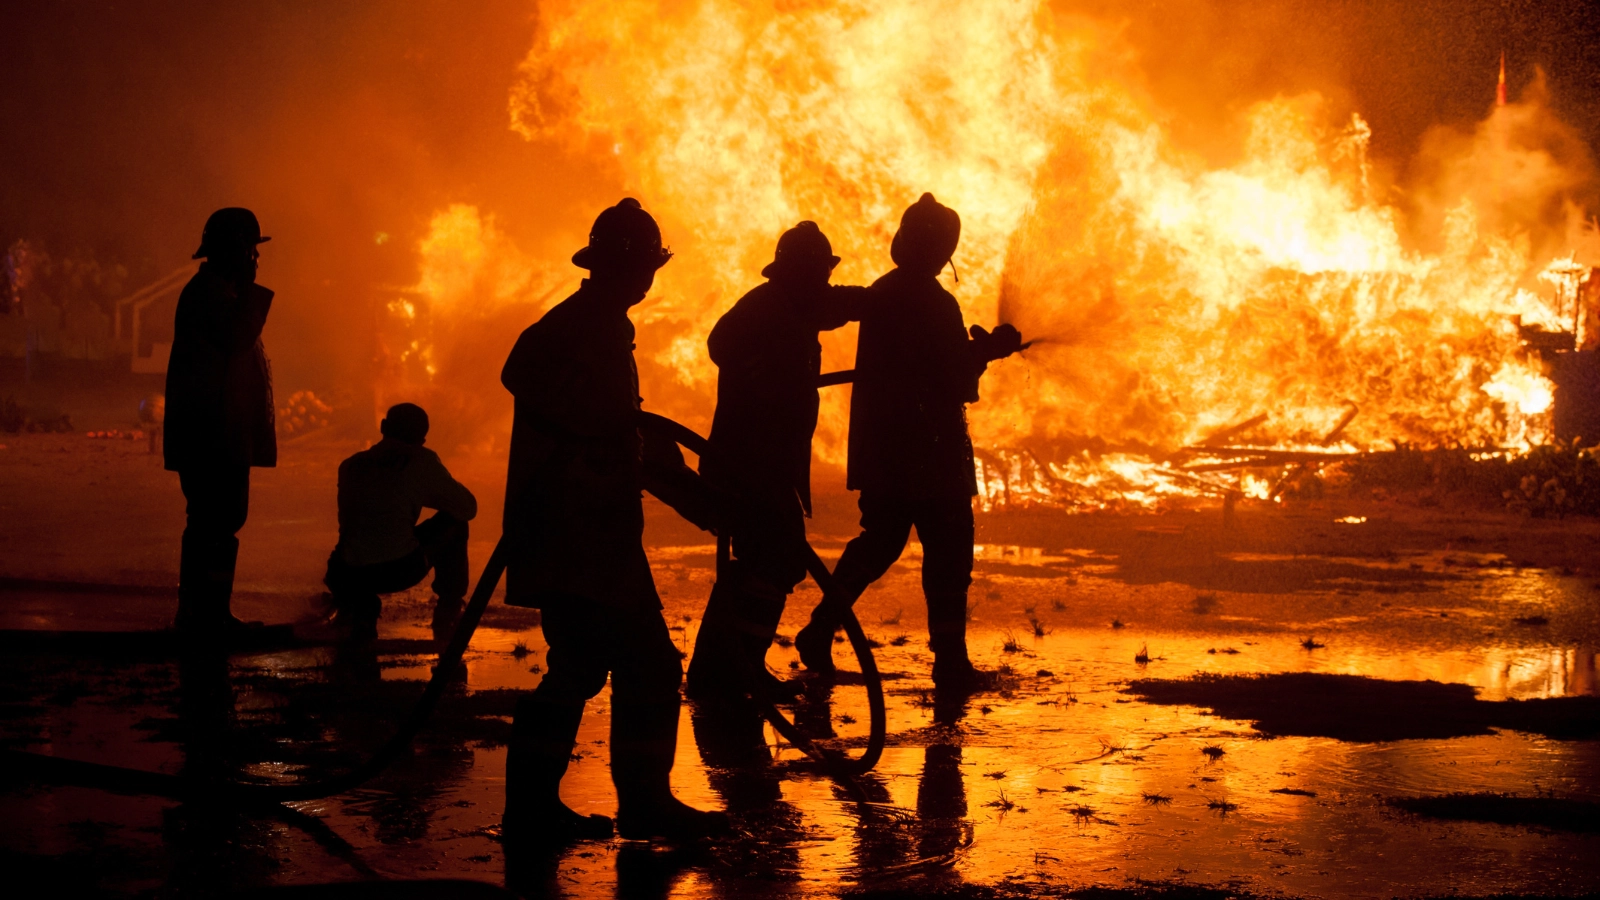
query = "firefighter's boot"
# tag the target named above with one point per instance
(815, 641)
(763, 610)
(712, 671)
(953, 671)
(644, 741)
(730, 652)
(205, 589)
(542, 738)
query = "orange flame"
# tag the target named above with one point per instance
(1170, 297)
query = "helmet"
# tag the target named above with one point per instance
(800, 244)
(228, 228)
(623, 236)
(929, 232)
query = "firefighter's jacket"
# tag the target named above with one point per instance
(915, 373)
(219, 385)
(768, 359)
(574, 516)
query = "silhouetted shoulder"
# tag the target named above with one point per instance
(736, 332)
(539, 345)
(841, 304)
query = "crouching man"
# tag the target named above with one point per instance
(574, 524)
(382, 548)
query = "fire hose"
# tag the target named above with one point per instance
(839, 765)
(119, 779)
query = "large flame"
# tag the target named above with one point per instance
(1171, 297)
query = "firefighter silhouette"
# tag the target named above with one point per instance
(768, 361)
(574, 525)
(917, 367)
(219, 416)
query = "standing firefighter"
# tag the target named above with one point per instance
(574, 521)
(768, 359)
(910, 456)
(219, 421)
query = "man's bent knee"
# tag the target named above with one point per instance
(562, 684)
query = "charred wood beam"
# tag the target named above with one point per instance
(1233, 430)
(1246, 456)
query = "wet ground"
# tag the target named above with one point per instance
(1350, 698)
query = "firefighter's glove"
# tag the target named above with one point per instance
(989, 346)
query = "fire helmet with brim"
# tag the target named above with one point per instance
(623, 237)
(929, 232)
(228, 230)
(801, 245)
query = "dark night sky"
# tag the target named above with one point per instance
(123, 124)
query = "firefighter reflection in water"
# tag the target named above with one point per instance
(219, 417)
(574, 521)
(910, 456)
(382, 548)
(768, 360)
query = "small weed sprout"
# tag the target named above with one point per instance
(1010, 645)
(1058, 605)
(1108, 747)
(783, 640)
(1310, 643)
(1083, 814)
(1038, 627)
(1143, 656)
(1002, 802)
(520, 650)
(997, 776)
(1213, 752)
(1117, 623)
(1222, 807)
(1155, 799)
(900, 640)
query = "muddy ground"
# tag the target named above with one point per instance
(1401, 706)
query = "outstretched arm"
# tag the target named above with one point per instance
(988, 346)
(841, 304)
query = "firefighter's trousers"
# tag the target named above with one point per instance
(768, 533)
(590, 641)
(944, 527)
(218, 500)
(441, 548)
